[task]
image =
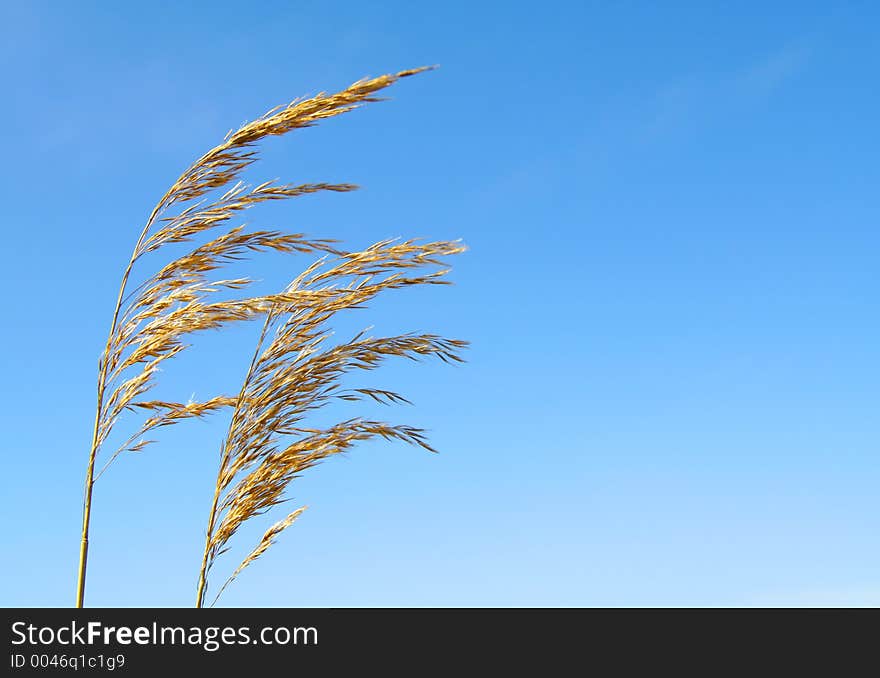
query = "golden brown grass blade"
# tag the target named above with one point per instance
(150, 321)
(267, 540)
(294, 373)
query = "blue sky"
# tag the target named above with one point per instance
(671, 292)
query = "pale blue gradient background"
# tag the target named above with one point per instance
(672, 210)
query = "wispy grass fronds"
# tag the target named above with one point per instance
(267, 540)
(294, 372)
(150, 323)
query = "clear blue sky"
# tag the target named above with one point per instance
(671, 291)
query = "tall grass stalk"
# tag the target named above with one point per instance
(289, 374)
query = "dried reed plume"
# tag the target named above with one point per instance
(290, 374)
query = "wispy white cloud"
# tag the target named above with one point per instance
(769, 74)
(690, 99)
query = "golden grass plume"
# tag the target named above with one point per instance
(289, 375)
(292, 373)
